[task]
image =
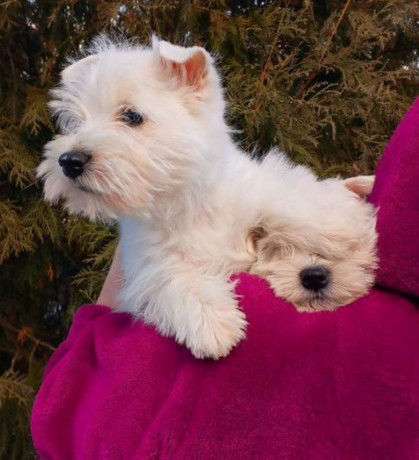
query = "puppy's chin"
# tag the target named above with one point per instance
(321, 302)
(91, 206)
(77, 199)
(99, 207)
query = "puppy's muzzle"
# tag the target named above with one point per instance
(73, 163)
(315, 279)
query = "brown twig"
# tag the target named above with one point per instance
(264, 75)
(329, 42)
(308, 82)
(314, 75)
(29, 336)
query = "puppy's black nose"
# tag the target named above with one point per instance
(73, 163)
(315, 279)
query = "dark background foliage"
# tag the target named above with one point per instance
(325, 80)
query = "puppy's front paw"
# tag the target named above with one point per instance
(216, 332)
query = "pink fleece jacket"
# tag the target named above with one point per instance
(341, 385)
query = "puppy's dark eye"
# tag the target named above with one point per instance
(131, 117)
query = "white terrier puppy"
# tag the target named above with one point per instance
(144, 141)
(320, 254)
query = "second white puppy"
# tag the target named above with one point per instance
(320, 254)
(144, 141)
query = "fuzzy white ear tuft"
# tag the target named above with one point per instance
(360, 185)
(189, 65)
(73, 71)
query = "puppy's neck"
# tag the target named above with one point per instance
(193, 203)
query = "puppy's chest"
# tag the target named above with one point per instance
(217, 246)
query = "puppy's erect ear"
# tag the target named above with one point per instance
(74, 70)
(360, 185)
(189, 66)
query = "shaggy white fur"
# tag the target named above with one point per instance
(158, 156)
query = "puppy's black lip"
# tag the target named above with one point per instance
(73, 174)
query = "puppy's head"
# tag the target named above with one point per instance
(136, 124)
(325, 257)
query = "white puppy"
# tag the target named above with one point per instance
(144, 141)
(320, 254)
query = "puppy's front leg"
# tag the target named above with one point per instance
(199, 310)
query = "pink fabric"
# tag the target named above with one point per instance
(341, 385)
(396, 193)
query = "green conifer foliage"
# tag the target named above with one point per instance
(325, 80)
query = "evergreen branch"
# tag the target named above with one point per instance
(14, 237)
(316, 74)
(335, 31)
(28, 335)
(6, 3)
(14, 386)
(264, 74)
(308, 82)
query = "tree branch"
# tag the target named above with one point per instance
(332, 36)
(264, 75)
(314, 75)
(28, 335)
